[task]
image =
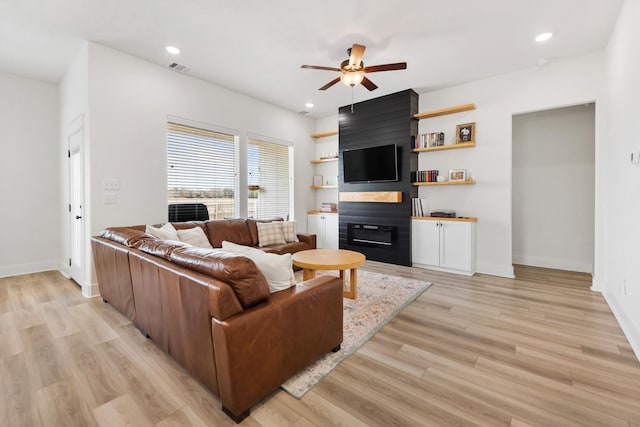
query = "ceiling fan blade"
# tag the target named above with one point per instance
(318, 67)
(369, 84)
(356, 55)
(331, 83)
(386, 67)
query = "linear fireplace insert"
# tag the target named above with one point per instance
(370, 234)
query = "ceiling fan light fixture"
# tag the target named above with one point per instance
(352, 78)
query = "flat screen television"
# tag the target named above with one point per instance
(373, 164)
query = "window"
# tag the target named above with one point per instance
(201, 168)
(269, 179)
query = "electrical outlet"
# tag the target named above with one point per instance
(109, 198)
(111, 184)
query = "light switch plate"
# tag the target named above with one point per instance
(111, 184)
(109, 198)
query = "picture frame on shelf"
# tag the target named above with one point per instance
(457, 175)
(317, 180)
(466, 133)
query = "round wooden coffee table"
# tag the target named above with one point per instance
(331, 259)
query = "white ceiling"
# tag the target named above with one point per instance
(257, 46)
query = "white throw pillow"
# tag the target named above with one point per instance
(195, 236)
(270, 233)
(166, 232)
(289, 231)
(277, 269)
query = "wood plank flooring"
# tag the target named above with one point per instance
(540, 350)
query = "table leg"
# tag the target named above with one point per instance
(308, 274)
(353, 284)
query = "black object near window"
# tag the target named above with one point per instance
(188, 212)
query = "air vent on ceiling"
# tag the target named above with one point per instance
(177, 67)
(303, 112)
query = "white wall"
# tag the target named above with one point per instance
(497, 99)
(620, 275)
(554, 188)
(74, 108)
(129, 101)
(29, 171)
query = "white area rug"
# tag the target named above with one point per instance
(380, 299)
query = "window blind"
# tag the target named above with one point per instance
(201, 168)
(270, 178)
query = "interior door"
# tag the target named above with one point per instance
(75, 139)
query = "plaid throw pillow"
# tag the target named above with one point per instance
(289, 231)
(270, 233)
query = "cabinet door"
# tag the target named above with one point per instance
(425, 242)
(331, 231)
(455, 245)
(315, 225)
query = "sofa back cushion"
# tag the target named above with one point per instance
(161, 248)
(127, 236)
(248, 283)
(231, 230)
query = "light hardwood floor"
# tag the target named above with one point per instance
(539, 350)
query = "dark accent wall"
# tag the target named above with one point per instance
(380, 121)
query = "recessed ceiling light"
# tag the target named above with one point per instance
(173, 50)
(543, 37)
(309, 105)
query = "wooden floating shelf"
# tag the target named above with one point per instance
(445, 147)
(330, 159)
(322, 213)
(467, 182)
(372, 196)
(435, 218)
(445, 111)
(324, 134)
(317, 187)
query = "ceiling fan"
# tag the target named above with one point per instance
(352, 71)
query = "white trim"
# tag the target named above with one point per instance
(32, 267)
(90, 290)
(628, 328)
(202, 125)
(496, 270)
(559, 264)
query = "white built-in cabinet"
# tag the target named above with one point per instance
(325, 227)
(446, 244)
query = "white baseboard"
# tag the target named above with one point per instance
(629, 329)
(90, 290)
(34, 267)
(495, 270)
(556, 263)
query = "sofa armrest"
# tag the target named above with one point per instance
(262, 347)
(309, 239)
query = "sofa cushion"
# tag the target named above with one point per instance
(253, 228)
(287, 248)
(194, 236)
(289, 231)
(248, 283)
(125, 236)
(277, 269)
(231, 230)
(166, 232)
(161, 248)
(270, 233)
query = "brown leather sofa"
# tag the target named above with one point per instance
(212, 310)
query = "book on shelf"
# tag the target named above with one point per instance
(425, 176)
(329, 207)
(431, 139)
(419, 207)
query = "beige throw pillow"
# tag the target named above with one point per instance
(289, 231)
(270, 233)
(195, 236)
(277, 269)
(166, 232)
